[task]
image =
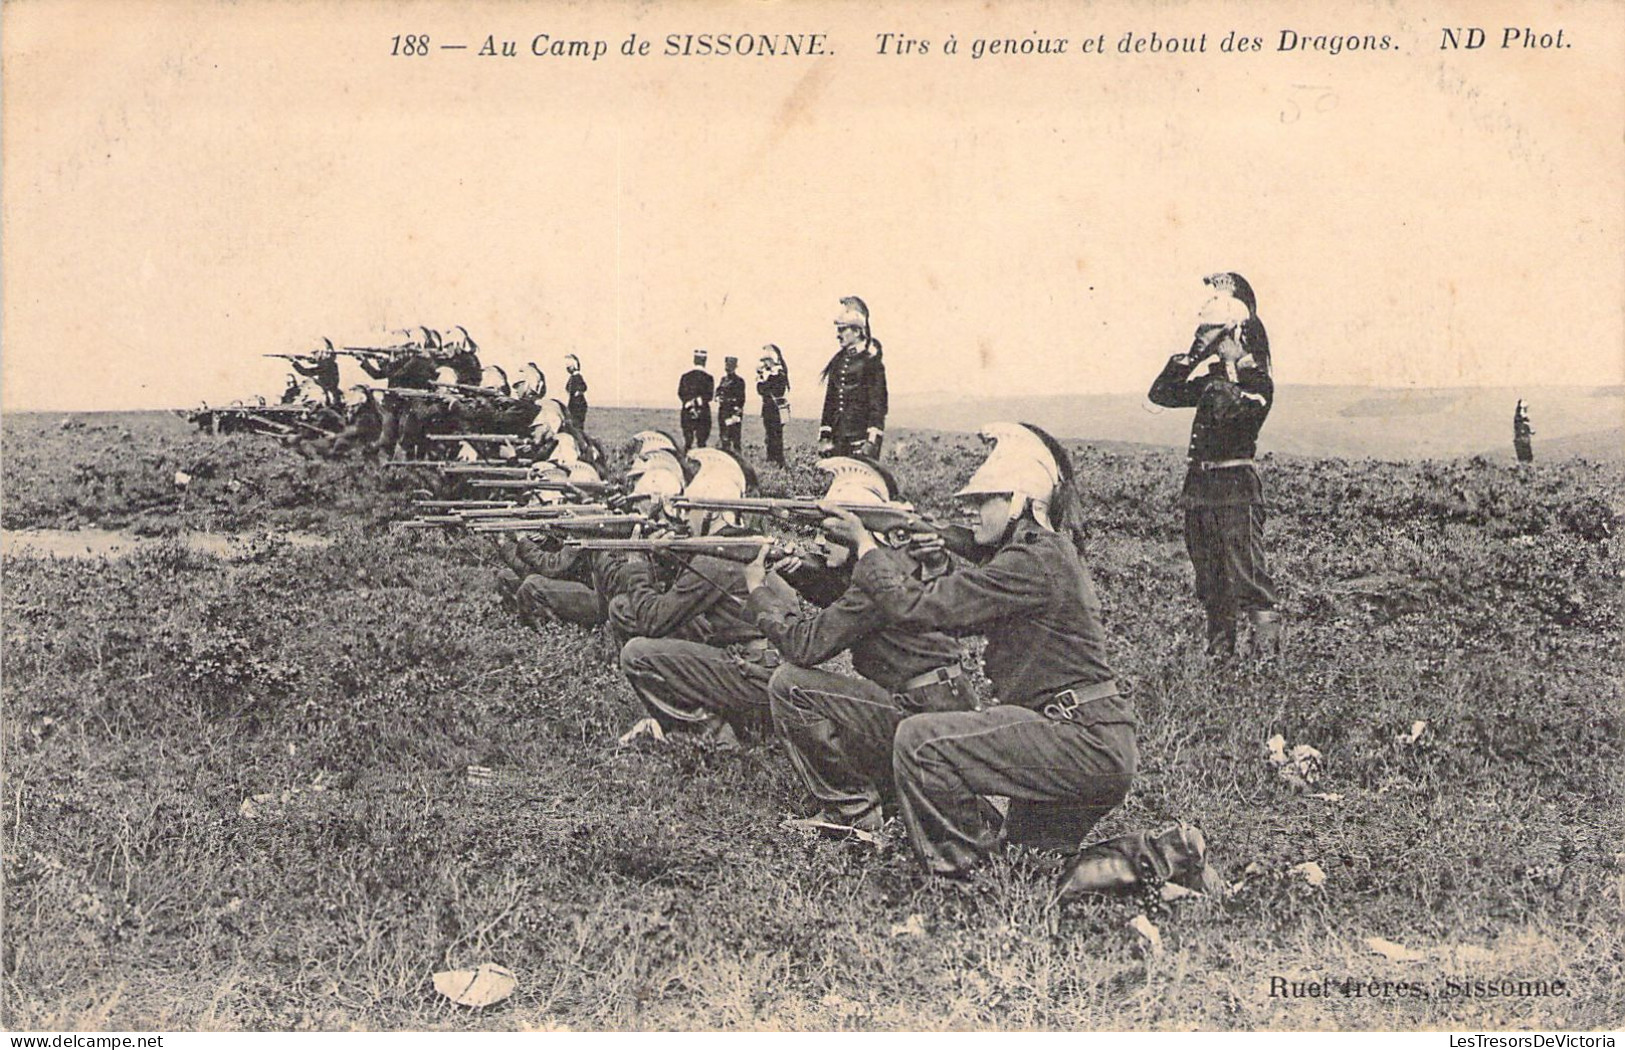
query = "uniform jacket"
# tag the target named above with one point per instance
(325, 371)
(772, 389)
(465, 365)
(886, 655)
(576, 388)
(1034, 603)
(689, 607)
(1228, 418)
(411, 372)
(731, 396)
(696, 385)
(854, 397)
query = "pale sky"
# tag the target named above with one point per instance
(190, 185)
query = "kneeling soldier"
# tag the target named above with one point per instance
(696, 664)
(838, 729)
(1061, 746)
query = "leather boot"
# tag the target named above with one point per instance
(1144, 860)
(1266, 627)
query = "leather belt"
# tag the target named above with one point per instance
(1220, 464)
(941, 674)
(1064, 704)
(760, 648)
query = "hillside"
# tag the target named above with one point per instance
(1347, 422)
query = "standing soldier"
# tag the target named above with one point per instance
(1061, 745)
(576, 389)
(1522, 433)
(854, 419)
(773, 387)
(324, 368)
(410, 369)
(1223, 498)
(838, 729)
(694, 392)
(730, 406)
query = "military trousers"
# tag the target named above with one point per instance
(685, 685)
(730, 436)
(838, 731)
(1060, 776)
(696, 428)
(542, 598)
(1226, 545)
(774, 427)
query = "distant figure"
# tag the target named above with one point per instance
(576, 389)
(694, 393)
(1521, 433)
(324, 368)
(773, 387)
(295, 392)
(463, 358)
(730, 406)
(1223, 499)
(854, 419)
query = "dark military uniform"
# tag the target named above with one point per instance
(576, 388)
(1061, 745)
(292, 393)
(838, 729)
(1223, 498)
(1523, 437)
(403, 421)
(552, 584)
(694, 392)
(325, 370)
(730, 411)
(772, 390)
(691, 657)
(854, 404)
(366, 423)
(465, 366)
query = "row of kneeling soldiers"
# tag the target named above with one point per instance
(720, 643)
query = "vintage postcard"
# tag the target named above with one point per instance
(813, 515)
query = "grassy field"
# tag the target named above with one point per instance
(235, 793)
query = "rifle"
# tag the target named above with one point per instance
(583, 488)
(731, 548)
(290, 357)
(359, 352)
(877, 517)
(473, 391)
(464, 504)
(555, 510)
(473, 437)
(581, 523)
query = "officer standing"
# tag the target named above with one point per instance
(773, 387)
(838, 729)
(575, 388)
(1061, 744)
(694, 393)
(1522, 433)
(854, 419)
(730, 406)
(1222, 497)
